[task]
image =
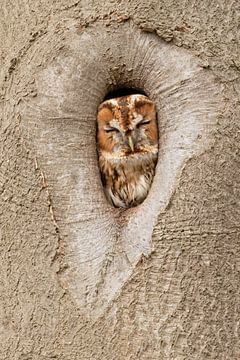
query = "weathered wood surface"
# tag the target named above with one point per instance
(78, 280)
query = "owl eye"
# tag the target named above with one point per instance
(111, 129)
(143, 122)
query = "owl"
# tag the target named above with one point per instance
(127, 141)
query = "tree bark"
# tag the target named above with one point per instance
(83, 280)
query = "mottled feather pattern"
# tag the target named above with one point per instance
(128, 148)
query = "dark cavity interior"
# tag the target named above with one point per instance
(123, 91)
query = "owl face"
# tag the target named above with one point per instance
(127, 128)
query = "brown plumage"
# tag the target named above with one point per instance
(127, 138)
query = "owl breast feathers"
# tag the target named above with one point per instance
(127, 139)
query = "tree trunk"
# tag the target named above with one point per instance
(79, 278)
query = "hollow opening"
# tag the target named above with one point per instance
(123, 91)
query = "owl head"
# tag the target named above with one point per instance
(127, 128)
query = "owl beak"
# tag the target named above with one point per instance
(130, 142)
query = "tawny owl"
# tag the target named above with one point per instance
(127, 137)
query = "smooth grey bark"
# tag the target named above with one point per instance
(78, 279)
